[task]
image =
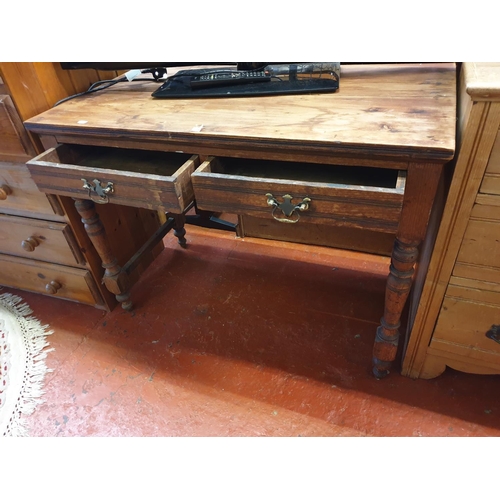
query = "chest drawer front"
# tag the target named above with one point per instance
(361, 197)
(481, 244)
(480, 274)
(49, 279)
(490, 184)
(15, 144)
(147, 179)
(465, 322)
(491, 179)
(41, 240)
(19, 194)
(487, 207)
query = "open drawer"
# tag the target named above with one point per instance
(154, 180)
(362, 197)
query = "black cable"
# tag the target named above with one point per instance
(97, 86)
(92, 89)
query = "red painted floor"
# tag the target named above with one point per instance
(245, 337)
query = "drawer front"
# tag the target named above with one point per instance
(316, 234)
(148, 179)
(481, 244)
(40, 240)
(15, 144)
(467, 315)
(49, 279)
(482, 274)
(486, 207)
(334, 195)
(20, 196)
(491, 179)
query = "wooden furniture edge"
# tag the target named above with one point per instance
(436, 362)
(483, 80)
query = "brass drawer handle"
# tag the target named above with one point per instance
(4, 192)
(97, 188)
(52, 287)
(29, 244)
(494, 333)
(287, 207)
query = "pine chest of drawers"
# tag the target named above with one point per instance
(457, 323)
(43, 248)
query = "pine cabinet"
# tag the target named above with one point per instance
(43, 248)
(457, 323)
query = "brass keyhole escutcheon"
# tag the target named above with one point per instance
(287, 207)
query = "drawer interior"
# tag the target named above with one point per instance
(310, 172)
(132, 160)
(155, 180)
(351, 196)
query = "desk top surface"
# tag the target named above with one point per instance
(400, 111)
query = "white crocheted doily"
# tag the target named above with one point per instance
(22, 364)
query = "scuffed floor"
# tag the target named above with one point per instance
(250, 337)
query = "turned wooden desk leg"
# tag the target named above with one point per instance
(397, 289)
(115, 279)
(421, 186)
(179, 230)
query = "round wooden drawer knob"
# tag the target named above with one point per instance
(4, 191)
(30, 244)
(52, 287)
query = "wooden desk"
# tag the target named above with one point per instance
(369, 156)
